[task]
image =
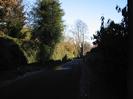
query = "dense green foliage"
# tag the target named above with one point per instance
(31, 50)
(68, 49)
(47, 26)
(38, 42)
(47, 23)
(11, 17)
(63, 49)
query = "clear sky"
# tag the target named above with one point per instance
(89, 11)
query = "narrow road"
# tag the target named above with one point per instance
(61, 83)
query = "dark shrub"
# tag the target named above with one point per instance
(10, 55)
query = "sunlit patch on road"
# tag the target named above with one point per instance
(69, 65)
(62, 68)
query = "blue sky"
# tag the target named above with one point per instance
(89, 11)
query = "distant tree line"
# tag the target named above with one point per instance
(68, 48)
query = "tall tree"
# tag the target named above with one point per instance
(79, 31)
(47, 25)
(11, 17)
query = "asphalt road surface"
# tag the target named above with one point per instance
(61, 83)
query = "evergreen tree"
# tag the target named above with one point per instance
(47, 26)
